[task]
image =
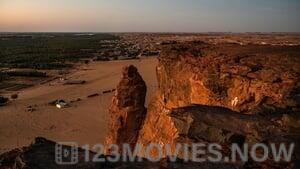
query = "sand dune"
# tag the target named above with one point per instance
(84, 122)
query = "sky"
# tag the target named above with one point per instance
(149, 15)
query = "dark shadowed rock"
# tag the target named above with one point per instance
(41, 155)
(3, 100)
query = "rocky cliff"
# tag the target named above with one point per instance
(226, 94)
(241, 78)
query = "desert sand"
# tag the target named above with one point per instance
(84, 122)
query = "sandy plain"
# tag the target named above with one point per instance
(84, 122)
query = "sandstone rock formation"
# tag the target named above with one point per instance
(241, 78)
(225, 93)
(127, 109)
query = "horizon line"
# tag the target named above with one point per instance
(155, 32)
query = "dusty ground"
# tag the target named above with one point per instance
(84, 122)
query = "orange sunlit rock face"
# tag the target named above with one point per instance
(222, 93)
(127, 110)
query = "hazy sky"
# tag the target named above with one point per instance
(150, 15)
